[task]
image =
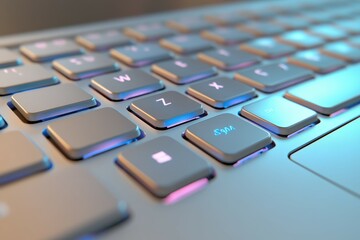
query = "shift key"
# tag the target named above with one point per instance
(65, 204)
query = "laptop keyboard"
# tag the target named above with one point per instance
(279, 71)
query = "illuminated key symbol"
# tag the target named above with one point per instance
(260, 72)
(122, 79)
(161, 157)
(12, 70)
(223, 52)
(133, 49)
(41, 45)
(75, 61)
(59, 42)
(215, 85)
(283, 66)
(181, 64)
(163, 101)
(89, 58)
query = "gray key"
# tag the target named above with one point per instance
(339, 90)
(164, 166)
(19, 157)
(221, 92)
(140, 55)
(25, 77)
(126, 84)
(2, 122)
(8, 58)
(183, 70)
(268, 48)
(65, 204)
(279, 115)
(85, 135)
(148, 32)
(85, 66)
(261, 28)
(226, 19)
(49, 50)
(301, 39)
(98, 41)
(226, 36)
(228, 138)
(45, 103)
(352, 26)
(166, 110)
(291, 22)
(189, 24)
(185, 44)
(228, 58)
(328, 32)
(274, 76)
(342, 51)
(317, 62)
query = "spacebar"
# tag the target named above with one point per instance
(331, 93)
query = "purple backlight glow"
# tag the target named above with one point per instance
(254, 155)
(185, 191)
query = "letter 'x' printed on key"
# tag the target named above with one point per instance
(215, 85)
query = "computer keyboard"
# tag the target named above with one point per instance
(166, 103)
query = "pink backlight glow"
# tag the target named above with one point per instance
(185, 191)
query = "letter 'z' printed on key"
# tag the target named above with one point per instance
(163, 101)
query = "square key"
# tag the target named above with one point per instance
(19, 157)
(185, 44)
(126, 84)
(98, 41)
(183, 70)
(164, 166)
(85, 66)
(148, 31)
(279, 115)
(221, 92)
(268, 48)
(226, 35)
(8, 58)
(228, 138)
(85, 135)
(166, 110)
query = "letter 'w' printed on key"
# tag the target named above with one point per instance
(121, 78)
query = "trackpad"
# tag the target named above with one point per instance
(335, 156)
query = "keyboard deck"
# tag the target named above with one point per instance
(185, 119)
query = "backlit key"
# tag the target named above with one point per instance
(49, 50)
(126, 84)
(98, 41)
(23, 161)
(8, 58)
(85, 66)
(279, 115)
(140, 54)
(274, 76)
(166, 110)
(165, 168)
(25, 77)
(85, 135)
(301, 39)
(342, 51)
(328, 32)
(221, 92)
(45, 103)
(183, 70)
(268, 48)
(228, 138)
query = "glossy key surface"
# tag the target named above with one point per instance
(342, 51)
(301, 39)
(8, 58)
(126, 84)
(48, 50)
(164, 166)
(329, 93)
(279, 115)
(229, 58)
(227, 137)
(221, 92)
(185, 44)
(274, 76)
(183, 70)
(328, 32)
(23, 160)
(25, 77)
(268, 48)
(166, 110)
(104, 129)
(140, 54)
(98, 41)
(85, 66)
(65, 204)
(52, 101)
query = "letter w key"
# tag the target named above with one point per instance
(122, 79)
